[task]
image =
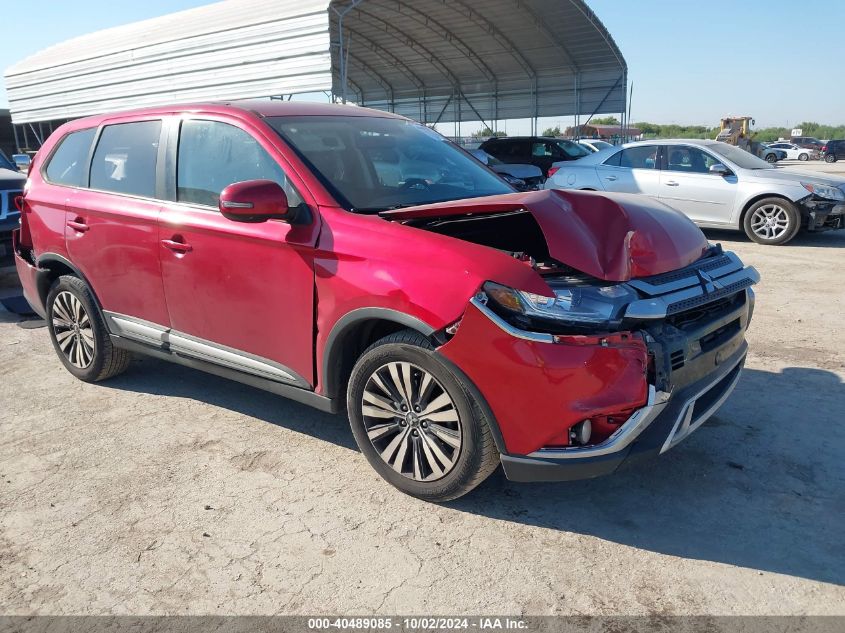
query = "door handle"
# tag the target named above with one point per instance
(177, 246)
(610, 177)
(671, 183)
(78, 225)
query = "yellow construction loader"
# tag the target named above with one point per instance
(736, 130)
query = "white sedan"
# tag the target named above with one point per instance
(715, 184)
(793, 151)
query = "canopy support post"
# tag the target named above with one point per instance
(343, 55)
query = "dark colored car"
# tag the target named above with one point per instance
(11, 186)
(833, 151)
(807, 142)
(354, 260)
(541, 151)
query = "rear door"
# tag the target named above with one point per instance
(240, 295)
(688, 185)
(632, 170)
(111, 227)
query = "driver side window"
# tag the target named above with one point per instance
(214, 155)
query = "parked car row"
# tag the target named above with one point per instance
(715, 184)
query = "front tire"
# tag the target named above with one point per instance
(771, 158)
(772, 221)
(416, 423)
(79, 334)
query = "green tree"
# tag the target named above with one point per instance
(486, 132)
(605, 120)
(552, 131)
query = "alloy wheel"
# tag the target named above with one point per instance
(770, 221)
(72, 327)
(411, 421)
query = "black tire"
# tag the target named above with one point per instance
(778, 207)
(803, 156)
(830, 158)
(475, 459)
(771, 158)
(98, 359)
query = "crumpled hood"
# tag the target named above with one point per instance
(614, 237)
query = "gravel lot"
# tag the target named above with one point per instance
(168, 491)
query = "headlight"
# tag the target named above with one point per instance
(824, 191)
(578, 305)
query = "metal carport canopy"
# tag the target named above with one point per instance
(431, 60)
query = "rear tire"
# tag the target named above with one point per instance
(435, 457)
(830, 158)
(772, 221)
(803, 157)
(79, 334)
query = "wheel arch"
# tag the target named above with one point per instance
(762, 196)
(356, 331)
(51, 266)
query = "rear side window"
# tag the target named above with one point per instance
(67, 164)
(125, 159)
(214, 155)
(640, 157)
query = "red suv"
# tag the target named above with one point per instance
(349, 258)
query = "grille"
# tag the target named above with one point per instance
(694, 302)
(710, 263)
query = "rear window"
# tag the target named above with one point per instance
(68, 162)
(125, 159)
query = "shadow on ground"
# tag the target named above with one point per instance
(759, 486)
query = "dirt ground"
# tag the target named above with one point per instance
(168, 491)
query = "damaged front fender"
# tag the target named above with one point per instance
(538, 389)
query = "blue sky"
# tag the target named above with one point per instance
(690, 62)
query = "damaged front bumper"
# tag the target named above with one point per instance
(821, 214)
(663, 379)
(665, 420)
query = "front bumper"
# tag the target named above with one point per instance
(665, 421)
(823, 215)
(662, 379)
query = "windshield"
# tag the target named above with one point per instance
(371, 164)
(574, 150)
(600, 145)
(739, 157)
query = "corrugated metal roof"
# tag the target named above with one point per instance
(452, 59)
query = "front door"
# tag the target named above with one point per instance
(687, 185)
(239, 295)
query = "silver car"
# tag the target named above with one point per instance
(717, 185)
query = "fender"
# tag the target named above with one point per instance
(44, 275)
(333, 352)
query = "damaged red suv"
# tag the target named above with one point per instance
(349, 258)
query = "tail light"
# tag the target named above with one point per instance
(552, 171)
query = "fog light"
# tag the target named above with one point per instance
(581, 432)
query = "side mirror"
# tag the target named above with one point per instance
(255, 201)
(22, 161)
(720, 169)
